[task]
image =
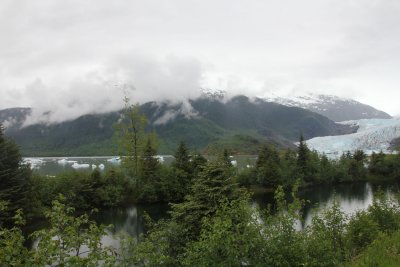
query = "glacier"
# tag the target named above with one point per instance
(373, 135)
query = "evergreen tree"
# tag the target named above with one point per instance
(326, 170)
(268, 167)
(302, 159)
(149, 173)
(378, 164)
(342, 168)
(182, 158)
(213, 187)
(288, 168)
(182, 170)
(357, 169)
(149, 163)
(225, 158)
(197, 164)
(14, 177)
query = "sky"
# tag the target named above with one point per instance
(82, 56)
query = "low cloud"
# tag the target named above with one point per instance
(184, 109)
(68, 58)
(140, 78)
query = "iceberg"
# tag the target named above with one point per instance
(34, 163)
(65, 161)
(80, 166)
(115, 160)
(62, 162)
(159, 158)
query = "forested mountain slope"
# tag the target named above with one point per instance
(205, 123)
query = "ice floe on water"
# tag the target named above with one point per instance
(159, 158)
(66, 161)
(34, 163)
(55, 165)
(115, 160)
(80, 166)
(373, 135)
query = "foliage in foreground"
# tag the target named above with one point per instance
(69, 241)
(237, 234)
(228, 233)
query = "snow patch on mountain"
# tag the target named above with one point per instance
(334, 107)
(213, 93)
(373, 135)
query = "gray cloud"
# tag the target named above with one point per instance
(73, 57)
(140, 78)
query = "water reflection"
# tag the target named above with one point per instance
(350, 197)
(131, 219)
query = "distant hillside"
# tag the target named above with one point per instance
(240, 124)
(332, 107)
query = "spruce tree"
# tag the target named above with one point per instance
(149, 164)
(14, 177)
(357, 169)
(210, 190)
(267, 167)
(226, 158)
(197, 164)
(302, 158)
(182, 171)
(182, 158)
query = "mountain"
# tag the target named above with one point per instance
(14, 117)
(204, 123)
(373, 135)
(332, 107)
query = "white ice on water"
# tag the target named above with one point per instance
(34, 163)
(65, 161)
(80, 166)
(115, 160)
(373, 135)
(159, 158)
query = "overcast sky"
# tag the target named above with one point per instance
(74, 57)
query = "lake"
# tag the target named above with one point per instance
(351, 196)
(52, 166)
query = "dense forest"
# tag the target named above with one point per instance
(211, 222)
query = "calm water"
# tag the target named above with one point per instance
(352, 196)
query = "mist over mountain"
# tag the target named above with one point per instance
(14, 118)
(241, 123)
